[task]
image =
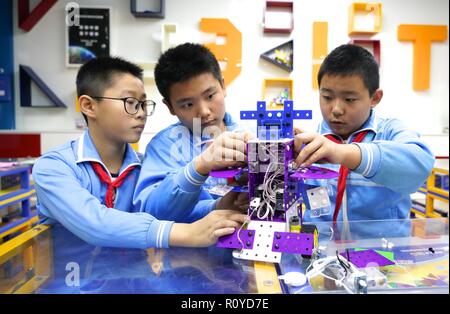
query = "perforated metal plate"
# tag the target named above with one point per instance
(262, 245)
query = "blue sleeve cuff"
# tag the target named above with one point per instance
(158, 234)
(189, 179)
(203, 208)
(370, 159)
(212, 206)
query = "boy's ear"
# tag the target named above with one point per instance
(376, 98)
(87, 106)
(167, 103)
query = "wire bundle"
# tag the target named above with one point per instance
(342, 268)
(270, 183)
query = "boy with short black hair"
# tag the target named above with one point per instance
(87, 184)
(178, 161)
(381, 161)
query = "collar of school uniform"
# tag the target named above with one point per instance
(370, 125)
(87, 152)
(229, 122)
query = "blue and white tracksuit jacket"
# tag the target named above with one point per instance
(395, 163)
(169, 187)
(69, 192)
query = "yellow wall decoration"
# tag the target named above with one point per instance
(422, 36)
(273, 87)
(77, 104)
(230, 51)
(359, 8)
(149, 69)
(320, 48)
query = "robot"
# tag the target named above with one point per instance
(277, 191)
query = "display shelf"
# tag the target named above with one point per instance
(434, 189)
(158, 12)
(28, 76)
(374, 46)
(278, 17)
(274, 88)
(364, 13)
(281, 56)
(21, 195)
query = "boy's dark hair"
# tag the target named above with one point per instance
(97, 75)
(182, 63)
(349, 60)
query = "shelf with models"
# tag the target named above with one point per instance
(364, 18)
(434, 203)
(158, 11)
(276, 91)
(16, 190)
(26, 261)
(278, 17)
(281, 56)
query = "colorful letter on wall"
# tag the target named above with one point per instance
(422, 36)
(77, 104)
(168, 31)
(228, 53)
(320, 48)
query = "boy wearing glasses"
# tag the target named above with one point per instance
(87, 184)
(178, 159)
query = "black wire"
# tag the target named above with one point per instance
(342, 263)
(346, 263)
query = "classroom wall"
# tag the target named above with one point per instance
(43, 48)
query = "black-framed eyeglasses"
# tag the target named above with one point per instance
(131, 104)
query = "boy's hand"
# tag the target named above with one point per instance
(206, 231)
(297, 130)
(317, 148)
(234, 200)
(227, 150)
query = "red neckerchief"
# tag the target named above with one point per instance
(110, 185)
(343, 172)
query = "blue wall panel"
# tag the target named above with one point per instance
(7, 107)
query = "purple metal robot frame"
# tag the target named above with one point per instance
(276, 188)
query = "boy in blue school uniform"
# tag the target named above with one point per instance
(87, 184)
(380, 161)
(176, 163)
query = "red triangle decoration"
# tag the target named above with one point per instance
(27, 19)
